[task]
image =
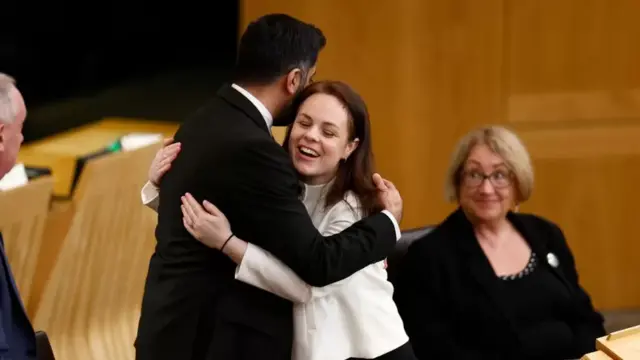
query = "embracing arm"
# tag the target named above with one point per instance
(263, 270)
(150, 196)
(161, 163)
(280, 224)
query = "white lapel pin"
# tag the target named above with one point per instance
(552, 259)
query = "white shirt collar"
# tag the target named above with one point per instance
(268, 118)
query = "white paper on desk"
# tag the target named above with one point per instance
(16, 177)
(135, 141)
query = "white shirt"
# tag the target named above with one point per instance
(266, 114)
(354, 317)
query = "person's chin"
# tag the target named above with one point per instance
(304, 171)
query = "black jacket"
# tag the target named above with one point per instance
(452, 302)
(192, 306)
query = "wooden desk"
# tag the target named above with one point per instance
(619, 345)
(61, 152)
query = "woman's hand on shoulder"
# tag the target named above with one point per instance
(161, 163)
(206, 223)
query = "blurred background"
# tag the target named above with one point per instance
(562, 73)
(119, 58)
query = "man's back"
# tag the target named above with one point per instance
(188, 283)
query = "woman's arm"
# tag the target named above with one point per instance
(150, 196)
(257, 266)
(160, 164)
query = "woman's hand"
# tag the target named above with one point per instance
(162, 161)
(205, 222)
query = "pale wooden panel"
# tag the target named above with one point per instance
(428, 70)
(624, 344)
(575, 106)
(596, 355)
(572, 45)
(583, 143)
(90, 304)
(23, 212)
(572, 92)
(61, 151)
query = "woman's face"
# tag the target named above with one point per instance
(319, 138)
(486, 187)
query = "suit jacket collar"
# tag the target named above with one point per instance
(239, 101)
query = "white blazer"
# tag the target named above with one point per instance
(354, 317)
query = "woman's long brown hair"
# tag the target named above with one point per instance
(356, 173)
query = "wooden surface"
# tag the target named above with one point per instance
(562, 73)
(23, 214)
(621, 345)
(60, 152)
(90, 302)
(596, 355)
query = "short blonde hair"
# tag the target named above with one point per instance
(504, 143)
(7, 104)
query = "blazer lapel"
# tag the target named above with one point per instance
(479, 266)
(239, 101)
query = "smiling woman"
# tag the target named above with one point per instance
(331, 139)
(489, 282)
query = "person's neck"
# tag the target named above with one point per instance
(265, 95)
(492, 233)
(317, 180)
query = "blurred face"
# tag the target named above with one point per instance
(319, 138)
(11, 135)
(486, 188)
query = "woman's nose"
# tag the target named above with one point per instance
(312, 134)
(487, 187)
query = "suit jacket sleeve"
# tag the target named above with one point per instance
(424, 310)
(589, 325)
(263, 270)
(267, 187)
(150, 196)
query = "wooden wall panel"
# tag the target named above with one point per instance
(562, 73)
(573, 95)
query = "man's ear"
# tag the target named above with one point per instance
(293, 81)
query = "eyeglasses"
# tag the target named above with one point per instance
(499, 179)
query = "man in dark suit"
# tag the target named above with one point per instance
(192, 307)
(17, 338)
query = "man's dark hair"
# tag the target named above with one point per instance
(275, 44)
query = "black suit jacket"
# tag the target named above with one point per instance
(192, 307)
(452, 303)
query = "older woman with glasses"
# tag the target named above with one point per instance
(490, 283)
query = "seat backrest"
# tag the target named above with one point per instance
(407, 238)
(23, 215)
(90, 304)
